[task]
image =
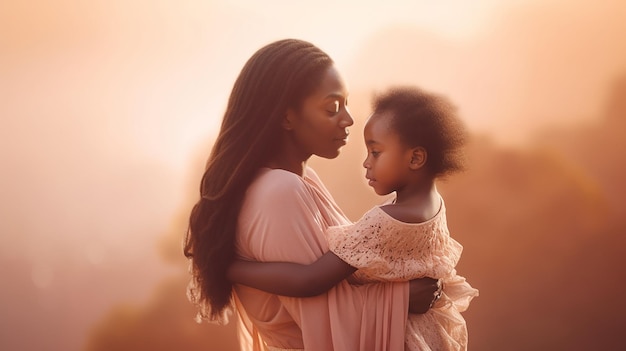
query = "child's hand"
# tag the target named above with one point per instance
(422, 294)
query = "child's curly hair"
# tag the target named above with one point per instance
(428, 120)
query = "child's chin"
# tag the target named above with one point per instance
(380, 192)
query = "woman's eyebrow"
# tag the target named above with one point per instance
(335, 95)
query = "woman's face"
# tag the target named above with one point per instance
(320, 127)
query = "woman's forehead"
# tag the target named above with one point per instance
(331, 85)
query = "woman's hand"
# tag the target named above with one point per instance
(423, 292)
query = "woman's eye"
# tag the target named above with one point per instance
(334, 108)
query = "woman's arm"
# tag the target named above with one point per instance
(291, 279)
(299, 280)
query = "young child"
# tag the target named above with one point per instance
(413, 138)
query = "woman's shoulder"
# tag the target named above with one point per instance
(276, 192)
(271, 181)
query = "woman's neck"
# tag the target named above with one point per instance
(289, 156)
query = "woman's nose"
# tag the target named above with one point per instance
(346, 120)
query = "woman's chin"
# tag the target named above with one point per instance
(330, 154)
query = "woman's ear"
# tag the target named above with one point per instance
(288, 120)
(418, 158)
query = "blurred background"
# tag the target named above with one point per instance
(108, 111)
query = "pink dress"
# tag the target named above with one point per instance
(385, 249)
(284, 218)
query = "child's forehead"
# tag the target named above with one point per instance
(380, 120)
(380, 127)
(383, 115)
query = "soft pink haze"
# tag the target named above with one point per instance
(108, 110)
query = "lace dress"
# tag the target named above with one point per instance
(386, 249)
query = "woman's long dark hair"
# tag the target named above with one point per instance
(277, 77)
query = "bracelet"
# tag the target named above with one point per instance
(437, 294)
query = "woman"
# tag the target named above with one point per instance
(259, 201)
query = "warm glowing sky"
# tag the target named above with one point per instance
(103, 104)
(162, 69)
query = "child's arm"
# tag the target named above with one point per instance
(291, 279)
(298, 280)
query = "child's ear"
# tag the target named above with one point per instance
(418, 158)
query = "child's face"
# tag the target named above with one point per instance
(388, 159)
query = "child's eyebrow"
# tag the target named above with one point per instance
(370, 142)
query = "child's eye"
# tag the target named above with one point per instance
(375, 153)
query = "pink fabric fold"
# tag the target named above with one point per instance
(283, 218)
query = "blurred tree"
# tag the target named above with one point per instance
(543, 236)
(166, 323)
